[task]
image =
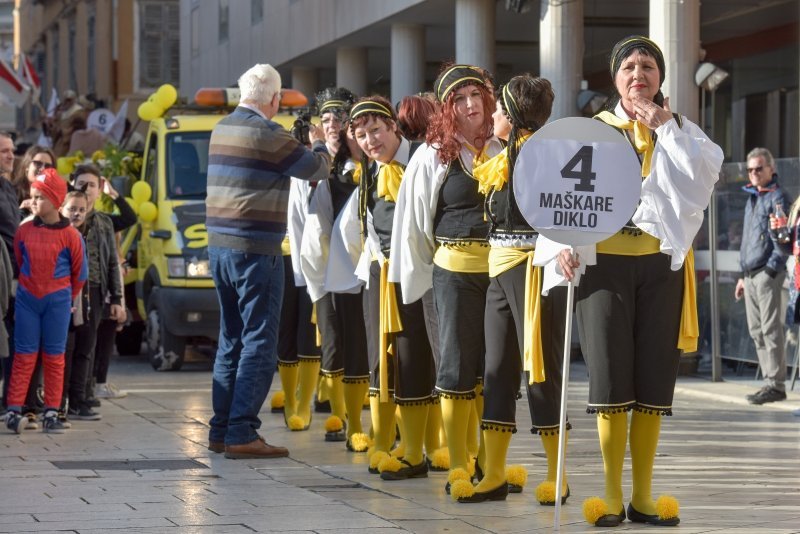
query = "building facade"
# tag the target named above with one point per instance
(115, 50)
(395, 47)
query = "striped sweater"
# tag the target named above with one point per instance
(250, 161)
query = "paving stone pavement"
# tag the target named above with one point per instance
(734, 468)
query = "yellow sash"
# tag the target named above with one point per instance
(314, 322)
(690, 330)
(286, 249)
(472, 257)
(389, 324)
(493, 173)
(625, 244)
(501, 259)
(357, 173)
(642, 137)
(389, 178)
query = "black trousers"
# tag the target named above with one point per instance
(629, 312)
(104, 348)
(460, 303)
(340, 317)
(78, 366)
(297, 335)
(504, 322)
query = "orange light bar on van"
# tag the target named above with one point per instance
(229, 96)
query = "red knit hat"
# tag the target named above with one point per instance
(52, 186)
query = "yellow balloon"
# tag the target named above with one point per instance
(148, 212)
(166, 96)
(141, 192)
(65, 165)
(133, 204)
(149, 111)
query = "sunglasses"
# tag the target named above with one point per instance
(42, 165)
(751, 170)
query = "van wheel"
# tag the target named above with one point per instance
(129, 340)
(164, 349)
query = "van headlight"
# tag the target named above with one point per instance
(181, 267)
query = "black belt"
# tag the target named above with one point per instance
(752, 272)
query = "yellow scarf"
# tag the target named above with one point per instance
(389, 178)
(493, 173)
(642, 137)
(501, 259)
(357, 174)
(689, 330)
(478, 156)
(389, 324)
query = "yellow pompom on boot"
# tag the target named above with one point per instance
(277, 401)
(353, 400)
(493, 486)
(455, 418)
(645, 431)
(309, 372)
(289, 373)
(335, 388)
(546, 491)
(612, 429)
(413, 465)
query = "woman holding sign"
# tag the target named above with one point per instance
(518, 321)
(440, 235)
(636, 306)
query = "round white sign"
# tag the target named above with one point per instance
(577, 181)
(100, 119)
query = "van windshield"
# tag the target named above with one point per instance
(187, 165)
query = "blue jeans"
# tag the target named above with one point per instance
(250, 290)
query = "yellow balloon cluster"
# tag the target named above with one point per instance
(158, 103)
(140, 202)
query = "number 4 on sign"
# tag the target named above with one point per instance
(584, 174)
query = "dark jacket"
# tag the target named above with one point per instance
(759, 249)
(9, 215)
(101, 248)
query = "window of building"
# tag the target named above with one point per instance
(71, 58)
(224, 20)
(159, 43)
(256, 11)
(91, 72)
(55, 58)
(195, 31)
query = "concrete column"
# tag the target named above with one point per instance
(475, 41)
(675, 27)
(408, 60)
(351, 69)
(305, 80)
(561, 53)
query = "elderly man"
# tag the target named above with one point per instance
(250, 162)
(764, 266)
(9, 204)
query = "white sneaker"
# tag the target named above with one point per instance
(109, 391)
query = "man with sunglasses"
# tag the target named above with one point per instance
(763, 265)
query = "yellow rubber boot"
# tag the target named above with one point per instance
(400, 450)
(322, 390)
(354, 402)
(335, 388)
(383, 423)
(288, 374)
(455, 418)
(309, 374)
(612, 429)
(645, 430)
(414, 419)
(480, 454)
(496, 444)
(473, 429)
(432, 429)
(545, 493)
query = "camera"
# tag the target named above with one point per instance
(300, 128)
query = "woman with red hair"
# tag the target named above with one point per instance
(441, 236)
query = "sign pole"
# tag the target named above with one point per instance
(562, 425)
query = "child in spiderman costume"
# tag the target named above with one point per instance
(52, 270)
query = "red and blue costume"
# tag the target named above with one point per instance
(52, 270)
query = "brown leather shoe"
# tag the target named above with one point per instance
(257, 448)
(216, 446)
